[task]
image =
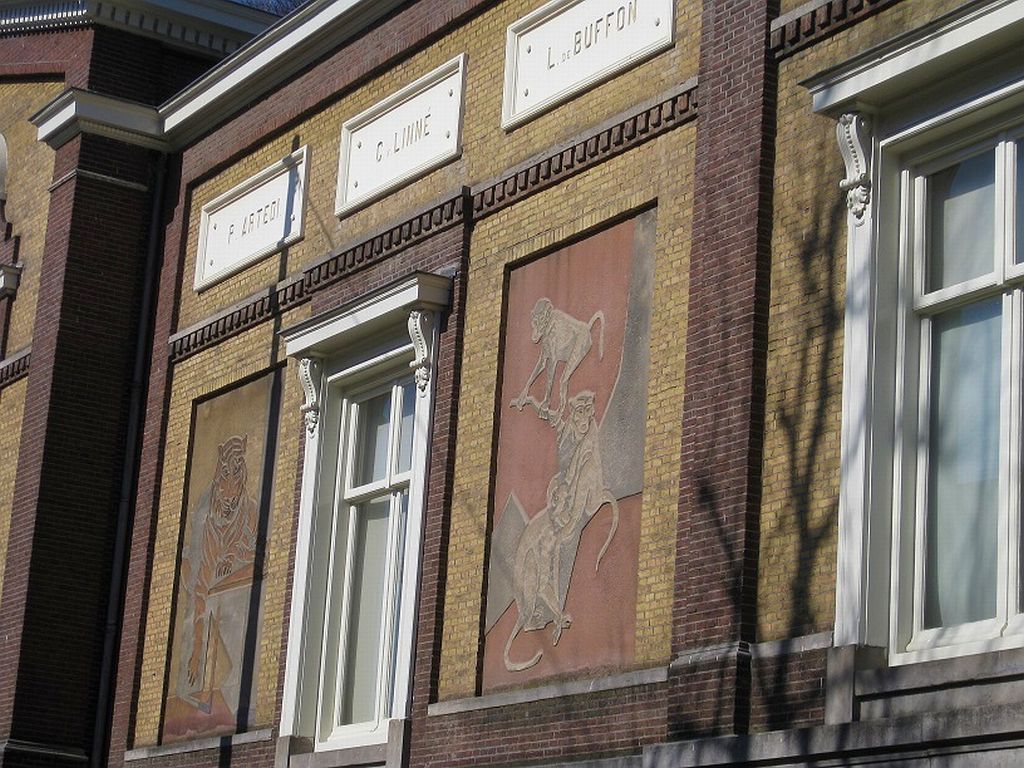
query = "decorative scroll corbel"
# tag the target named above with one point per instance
(420, 331)
(10, 277)
(309, 376)
(852, 131)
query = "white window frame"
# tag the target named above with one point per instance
(340, 354)
(909, 641)
(886, 118)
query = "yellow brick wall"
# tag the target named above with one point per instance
(12, 405)
(487, 150)
(230, 362)
(30, 171)
(805, 343)
(658, 171)
(662, 171)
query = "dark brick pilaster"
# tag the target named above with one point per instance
(57, 572)
(726, 347)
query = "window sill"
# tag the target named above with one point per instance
(388, 752)
(959, 670)
(553, 691)
(955, 683)
(199, 745)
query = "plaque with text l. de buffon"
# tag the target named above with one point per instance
(566, 46)
(406, 135)
(261, 215)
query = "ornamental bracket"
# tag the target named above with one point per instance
(853, 133)
(421, 333)
(309, 375)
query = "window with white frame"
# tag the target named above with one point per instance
(366, 371)
(371, 429)
(931, 129)
(956, 545)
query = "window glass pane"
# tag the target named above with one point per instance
(374, 423)
(1019, 207)
(406, 427)
(369, 566)
(961, 221)
(963, 465)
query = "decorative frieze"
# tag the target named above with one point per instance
(815, 21)
(676, 108)
(15, 367)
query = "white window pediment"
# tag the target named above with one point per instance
(367, 376)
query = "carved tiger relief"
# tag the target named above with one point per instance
(228, 543)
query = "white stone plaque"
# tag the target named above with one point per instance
(261, 215)
(566, 46)
(405, 136)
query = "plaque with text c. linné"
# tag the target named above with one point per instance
(406, 135)
(249, 222)
(566, 46)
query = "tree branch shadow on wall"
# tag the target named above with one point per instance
(806, 423)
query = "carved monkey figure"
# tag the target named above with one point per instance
(577, 491)
(535, 573)
(562, 339)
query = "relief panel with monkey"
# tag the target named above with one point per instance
(562, 578)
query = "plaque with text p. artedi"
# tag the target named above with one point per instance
(565, 46)
(260, 216)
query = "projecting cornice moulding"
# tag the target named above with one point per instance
(302, 36)
(217, 27)
(252, 70)
(915, 59)
(78, 111)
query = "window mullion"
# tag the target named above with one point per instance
(355, 411)
(1008, 412)
(921, 477)
(388, 614)
(920, 237)
(1003, 254)
(393, 430)
(1011, 533)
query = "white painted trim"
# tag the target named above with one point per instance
(873, 441)
(257, 67)
(325, 334)
(297, 160)
(10, 279)
(267, 60)
(78, 111)
(881, 74)
(858, 352)
(343, 203)
(299, 651)
(510, 116)
(322, 337)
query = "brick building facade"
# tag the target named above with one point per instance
(621, 384)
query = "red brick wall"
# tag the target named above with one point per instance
(65, 502)
(723, 412)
